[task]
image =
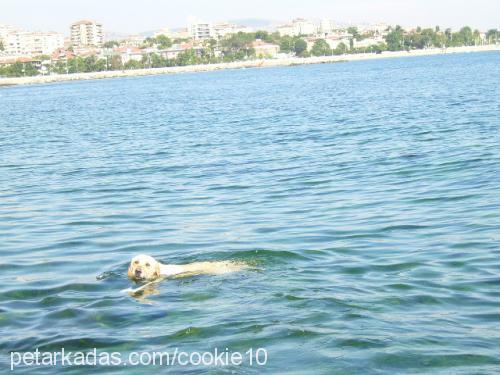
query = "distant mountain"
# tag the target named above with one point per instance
(112, 35)
(147, 33)
(256, 23)
(115, 35)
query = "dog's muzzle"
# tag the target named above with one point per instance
(137, 273)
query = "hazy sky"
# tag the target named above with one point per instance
(132, 16)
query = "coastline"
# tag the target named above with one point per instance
(292, 61)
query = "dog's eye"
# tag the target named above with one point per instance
(136, 262)
(147, 264)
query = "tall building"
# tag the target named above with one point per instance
(87, 33)
(199, 30)
(5, 30)
(326, 26)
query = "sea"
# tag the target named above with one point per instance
(363, 196)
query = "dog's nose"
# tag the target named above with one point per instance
(137, 273)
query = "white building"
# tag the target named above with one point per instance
(129, 53)
(299, 26)
(133, 41)
(265, 50)
(87, 33)
(286, 30)
(326, 26)
(26, 43)
(223, 29)
(7, 29)
(199, 30)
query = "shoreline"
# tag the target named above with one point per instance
(292, 61)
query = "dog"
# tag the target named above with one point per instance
(146, 268)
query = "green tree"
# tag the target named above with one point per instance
(448, 37)
(341, 49)
(287, 44)
(15, 70)
(493, 36)
(111, 44)
(300, 46)
(395, 39)
(132, 64)
(187, 57)
(264, 35)
(238, 46)
(116, 63)
(60, 67)
(321, 48)
(354, 33)
(209, 47)
(476, 36)
(20, 69)
(163, 42)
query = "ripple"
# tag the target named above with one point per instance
(370, 229)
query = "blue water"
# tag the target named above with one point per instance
(364, 196)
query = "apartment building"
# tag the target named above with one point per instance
(87, 33)
(299, 26)
(200, 30)
(223, 29)
(17, 42)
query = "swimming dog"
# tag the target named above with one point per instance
(146, 268)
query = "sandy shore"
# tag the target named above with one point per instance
(239, 65)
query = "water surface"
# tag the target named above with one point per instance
(365, 195)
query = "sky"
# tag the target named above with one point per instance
(133, 16)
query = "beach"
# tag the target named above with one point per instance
(258, 63)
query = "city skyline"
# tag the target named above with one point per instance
(54, 15)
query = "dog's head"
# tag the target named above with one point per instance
(143, 267)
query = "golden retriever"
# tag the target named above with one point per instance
(146, 268)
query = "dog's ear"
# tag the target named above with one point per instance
(130, 272)
(157, 269)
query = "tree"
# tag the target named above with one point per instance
(492, 36)
(341, 49)
(321, 48)
(209, 47)
(132, 64)
(2, 48)
(187, 57)
(157, 61)
(264, 35)
(354, 33)
(287, 44)
(476, 36)
(163, 42)
(300, 46)
(464, 37)
(116, 63)
(111, 44)
(448, 36)
(60, 67)
(15, 70)
(237, 46)
(395, 39)
(20, 69)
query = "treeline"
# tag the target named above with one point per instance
(398, 39)
(237, 47)
(19, 69)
